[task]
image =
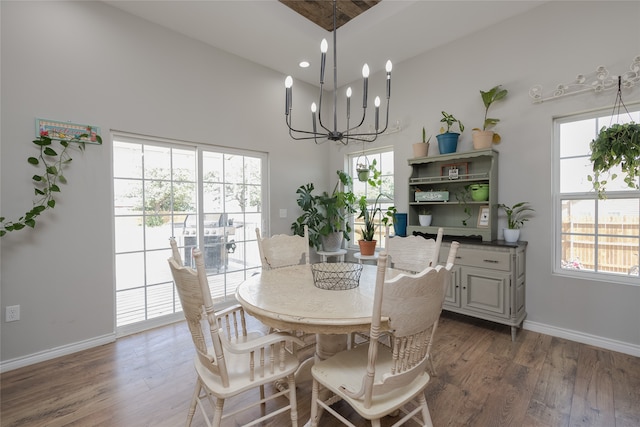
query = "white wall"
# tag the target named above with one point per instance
(549, 45)
(89, 63)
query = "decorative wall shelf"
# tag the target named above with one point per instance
(598, 81)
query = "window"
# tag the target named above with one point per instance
(204, 197)
(598, 239)
(384, 163)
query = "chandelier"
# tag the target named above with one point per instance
(332, 134)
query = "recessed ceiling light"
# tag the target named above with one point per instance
(304, 64)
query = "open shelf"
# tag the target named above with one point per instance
(459, 215)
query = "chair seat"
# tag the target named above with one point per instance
(239, 381)
(348, 368)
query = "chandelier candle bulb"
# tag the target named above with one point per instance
(323, 58)
(365, 75)
(288, 83)
(313, 115)
(349, 102)
(388, 67)
(377, 104)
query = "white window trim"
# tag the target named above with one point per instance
(557, 198)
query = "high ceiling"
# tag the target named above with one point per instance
(271, 34)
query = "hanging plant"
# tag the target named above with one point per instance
(616, 145)
(53, 160)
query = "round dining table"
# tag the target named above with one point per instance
(287, 299)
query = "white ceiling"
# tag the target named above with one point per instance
(271, 34)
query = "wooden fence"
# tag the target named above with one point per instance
(618, 243)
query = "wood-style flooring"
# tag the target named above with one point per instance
(484, 379)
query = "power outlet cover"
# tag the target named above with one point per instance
(12, 313)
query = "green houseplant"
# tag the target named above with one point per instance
(325, 214)
(616, 145)
(483, 138)
(448, 140)
(517, 215)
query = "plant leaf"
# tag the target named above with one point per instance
(50, 151)
(51, 203)
(33, 161)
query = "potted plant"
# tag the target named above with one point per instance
(368, 214)
(447, 140)
(397, 219)
(483, 138)
(421, 149)
(617, 145)
(516, 217)
(325, 214)
(424, 216)
(363, 168)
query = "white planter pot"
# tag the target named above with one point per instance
(332, 242)
(425, 220)
(511, 235)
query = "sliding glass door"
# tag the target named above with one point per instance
(206, 197)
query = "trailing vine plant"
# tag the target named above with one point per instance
(616, 146)
(53, 160)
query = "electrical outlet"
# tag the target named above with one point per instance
(12, 313)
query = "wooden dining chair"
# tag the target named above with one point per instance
(283, 250)
(376, 380)
(229, 359)
(413, 253)
(175, 252)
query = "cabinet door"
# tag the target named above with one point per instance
(485, 291)
(452, 295)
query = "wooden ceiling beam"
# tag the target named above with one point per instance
(320, 12)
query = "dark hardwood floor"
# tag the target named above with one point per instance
(484, 379)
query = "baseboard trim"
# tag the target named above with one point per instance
(594, 340)
(64, 350)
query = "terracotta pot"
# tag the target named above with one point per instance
(421, 149)
(482, 139)
(367, 247)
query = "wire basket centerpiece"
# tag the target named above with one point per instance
(336, 276)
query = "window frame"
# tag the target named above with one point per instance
(351, 160)
(245, 239)
(559, 197)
